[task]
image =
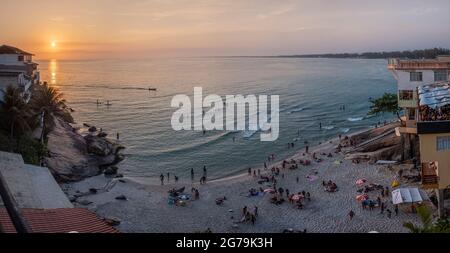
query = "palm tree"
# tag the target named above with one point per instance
(425, 217)
(14, 110)
(428, 226)
(48, 103)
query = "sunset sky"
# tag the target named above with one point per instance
(87, 29)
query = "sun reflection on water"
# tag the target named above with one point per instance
(53, 70)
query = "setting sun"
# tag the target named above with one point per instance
(53, 44)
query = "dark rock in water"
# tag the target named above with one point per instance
(86, 125)
(122, 181)
(93, 190)
(85, 202)
(92, 129)
(112, 170)
(121, 197)
(73, 198)
(119, 175)
(99, 146)
(112, 221)
(102, 134)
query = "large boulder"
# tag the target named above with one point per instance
(73, 157)
(98, 145)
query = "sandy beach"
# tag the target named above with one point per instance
(147, 210)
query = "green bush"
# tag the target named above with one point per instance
(31, 150)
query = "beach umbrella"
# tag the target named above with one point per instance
(362, 197)
(360, 182)
(297, 197)
(269, 190)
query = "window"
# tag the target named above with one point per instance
(405, 94)
(440, 75)
(415, 76)
(20, 58)
(411, 113)
(443, 143)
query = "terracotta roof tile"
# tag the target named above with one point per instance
(60, 220)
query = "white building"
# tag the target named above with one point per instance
(17, 68)
(411, 74)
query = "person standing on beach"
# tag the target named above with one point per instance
(168, 175)
(249, 171)
(192, 173)
(162, 179)
(204, 170)
(176, 178)
(244, 210)
(351, 214)
(320, 125)
(396, 210)
(307, 149)
(256, 211)
(259, 172)
(297, 179)
(117, 136)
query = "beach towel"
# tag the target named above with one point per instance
(311, 177)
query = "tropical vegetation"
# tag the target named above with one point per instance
(428, 225)
(24, 125)
(386, 103)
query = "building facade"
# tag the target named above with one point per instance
(18, 69)
(423, 94)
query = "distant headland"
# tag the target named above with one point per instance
(430, 53)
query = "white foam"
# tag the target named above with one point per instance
(355, 119)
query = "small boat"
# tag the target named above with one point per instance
(152, 89)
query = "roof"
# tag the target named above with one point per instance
(5, 49)
(60, 220)
(434, 95)
(32, 186)
(408, 195)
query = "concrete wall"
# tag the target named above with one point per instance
(405, 84)
(7, 80)
(10, 59)
(429, 153)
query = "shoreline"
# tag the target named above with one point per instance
(143, 207)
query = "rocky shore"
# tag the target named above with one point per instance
(73, 157)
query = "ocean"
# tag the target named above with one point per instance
(311, 91)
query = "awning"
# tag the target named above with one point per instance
(408, 195)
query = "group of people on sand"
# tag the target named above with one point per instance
(330, 186)
(248, 216)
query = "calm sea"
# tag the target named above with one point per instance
(311, 91)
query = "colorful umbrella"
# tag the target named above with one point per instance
(269, 190)
(360, 182)
(362, 197)
(297, 197)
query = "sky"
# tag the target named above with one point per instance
(87, 29)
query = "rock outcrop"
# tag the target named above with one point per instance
(73, 157)
(379, 144)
